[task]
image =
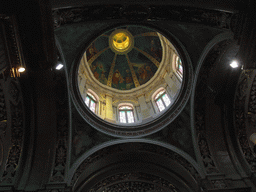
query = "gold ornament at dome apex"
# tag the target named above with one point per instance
(121, 41)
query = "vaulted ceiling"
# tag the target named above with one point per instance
(48, 141)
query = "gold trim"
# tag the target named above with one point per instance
(148, 56)
(134, 77)
(97, 55)
(111, 73)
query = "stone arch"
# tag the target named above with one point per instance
(153, 152)
(219, 38)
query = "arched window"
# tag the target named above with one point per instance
(126, 114)
(91, 102)
(179, 67)
(162, 100)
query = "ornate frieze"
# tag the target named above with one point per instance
(11, 101)
(171, 155)
(3, 54)
(252, 103)
(202, 141)
(14, 132)
(10, 50)
(3, 113)
(61, 150)
(200, 102)
(141, 147)
(219, 184)
(245, 99)
(218, 19)
(140, 182)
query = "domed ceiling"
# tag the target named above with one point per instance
(125, 57)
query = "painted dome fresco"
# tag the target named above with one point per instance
(125, 57)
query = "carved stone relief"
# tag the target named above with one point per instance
(201, 94)
(15, 132)
(143, 147)
(11, 101)
(3, 53)
(12, 55)
(3, 114)
(140, 182)
(58, 173)
(212, 18)
(241, 116)
(202, 142)
(219, 184)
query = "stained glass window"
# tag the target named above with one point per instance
(162, 100)
(126, 114)
(91, 102)
(179, 67)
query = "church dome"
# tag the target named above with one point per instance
(129, 79)
(126, 57)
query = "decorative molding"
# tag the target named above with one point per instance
(201, 94)
(126, 182)
(61, 150)
(142, 147)
(245, 92)
(212, 18)
(13, 53)
(14, 133)
(3, 113)
(3, 49)
(252, 104)
(202, 141)
(219, 184)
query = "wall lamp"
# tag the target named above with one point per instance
(21, 69)
(234, 64)
(59, 66)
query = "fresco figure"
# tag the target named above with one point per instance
(128, 79)
(97, 70)
(143, 76)
(156, 50)
(103, 78)
(117, 79)
(149, 72)
(91, 51)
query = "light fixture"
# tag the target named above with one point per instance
(21, 69)
(234, 64)
(59, 66)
